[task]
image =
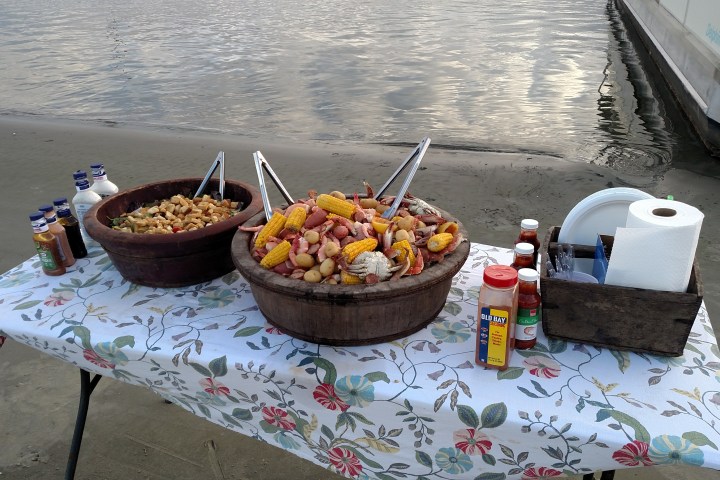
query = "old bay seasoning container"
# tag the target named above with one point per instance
(497, 311)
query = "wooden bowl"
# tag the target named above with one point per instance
(173, 260)
(348, 314)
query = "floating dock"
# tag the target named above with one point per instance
(683, 38)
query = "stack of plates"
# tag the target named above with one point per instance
(599, 214)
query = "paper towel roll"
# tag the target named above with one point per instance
(657, 247)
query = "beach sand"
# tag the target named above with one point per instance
(130, 432)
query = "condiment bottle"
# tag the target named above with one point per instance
(523, 256)
(46, 245)
(529, 309)
(101, 185)
(72, 227)
(82, 201)
(66, 255)
(497, 310)
(528, 234)
(79, 175)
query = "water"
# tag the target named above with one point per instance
(550, 76)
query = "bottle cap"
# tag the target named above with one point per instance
(529, 224)
(46, 208)
(35, 216)
(524, 248)
(98, 170)
(60, 201)
(500, 276)
(79, 175)
(82, 184)
(528, 275)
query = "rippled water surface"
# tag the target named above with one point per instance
(542, 76)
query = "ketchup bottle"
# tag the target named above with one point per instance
(528, 234)
(523, 257)
(529, 309)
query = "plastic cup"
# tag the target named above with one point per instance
(581, 277)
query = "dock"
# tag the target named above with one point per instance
(683, 39)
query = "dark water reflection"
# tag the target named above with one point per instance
(556, 77)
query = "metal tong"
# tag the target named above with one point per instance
(260, 165)
(416, 154)
(218, 162)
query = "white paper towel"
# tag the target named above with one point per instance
(656, 249)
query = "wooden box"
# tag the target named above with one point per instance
(619, 318)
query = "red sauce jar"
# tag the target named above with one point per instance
(529, 309)
(524, 256)
(528, 234)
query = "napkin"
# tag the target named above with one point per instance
(656, 249)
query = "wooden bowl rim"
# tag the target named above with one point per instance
(255, 274)
(105, 235)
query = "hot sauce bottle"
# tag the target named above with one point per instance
(497, 310)
(529, 309)
(523, 257)
(528, 234)
(46, 245)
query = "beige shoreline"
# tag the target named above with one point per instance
(489, 192)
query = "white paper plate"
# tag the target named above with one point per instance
(600, 213)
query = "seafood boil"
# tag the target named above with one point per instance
(331, 239)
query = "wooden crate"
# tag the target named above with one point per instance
(619, 318)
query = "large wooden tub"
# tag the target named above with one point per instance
(348, 314)
(173, 260)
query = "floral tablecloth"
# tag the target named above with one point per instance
(416, 408)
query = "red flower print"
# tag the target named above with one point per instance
(633, 454)
(93, 357)
(325, 395)
(274, 331)
(541, 472)
(345, 461)
(56, 299)
(278, 417)
(472, 441)
(542, 367)
(213, 388)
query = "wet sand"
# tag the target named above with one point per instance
(130, 432)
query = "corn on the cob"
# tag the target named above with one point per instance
(335, 205)
(277, 255)
(439, 241)
(271, 229)
(405, 250)
(349, 279)
(352, 250)
(296, 219)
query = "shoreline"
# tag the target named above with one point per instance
(489, 192)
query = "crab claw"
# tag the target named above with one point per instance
(369, 190)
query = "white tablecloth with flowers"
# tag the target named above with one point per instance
(418, 407)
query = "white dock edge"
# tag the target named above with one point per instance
(683, 39)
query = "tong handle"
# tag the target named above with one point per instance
(260, 165)
(218, 162)
(417, 154)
